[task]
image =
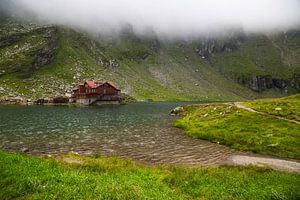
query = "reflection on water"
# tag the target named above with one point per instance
(140, 131)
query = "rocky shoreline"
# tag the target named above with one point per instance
(58, 100)
(41, 101)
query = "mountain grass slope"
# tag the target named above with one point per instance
(45, 61)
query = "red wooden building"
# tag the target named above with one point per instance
(91, 92)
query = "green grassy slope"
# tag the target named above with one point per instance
(245, 130)
(287, 107)
(23, 177)
(262, 62)
(143, 67)
(255, 57)
(289, 47)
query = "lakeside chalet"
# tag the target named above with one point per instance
(92, 92)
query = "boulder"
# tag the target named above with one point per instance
(177, 110)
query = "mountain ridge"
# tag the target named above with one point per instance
(39, 61)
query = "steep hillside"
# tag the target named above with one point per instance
(38, 61)
(262, 62)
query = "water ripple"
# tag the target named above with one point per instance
(138, 131)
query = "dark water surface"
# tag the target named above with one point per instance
(139, 131)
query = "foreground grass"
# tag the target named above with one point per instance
(23, 177)
(289, 107)
(242, 130)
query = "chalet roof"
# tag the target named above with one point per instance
(95, 84)
(113, 85)
(91, 84)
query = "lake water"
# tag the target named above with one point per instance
(138, 131)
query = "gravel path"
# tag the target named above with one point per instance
(240, 105)
(283, 165)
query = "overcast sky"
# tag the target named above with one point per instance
(180, 18)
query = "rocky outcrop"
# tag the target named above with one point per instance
(45, 56)
(26, 48)
(211, 46)
(263, 82)
(60, 99)
(285, 84)
(254, 56)
(12, 100)
(256, 83)
(9, 40)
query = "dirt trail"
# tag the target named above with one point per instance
(240, 105)
(279, 164)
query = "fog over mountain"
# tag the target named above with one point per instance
(168, 18)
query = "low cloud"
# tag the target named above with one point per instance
(167, 18)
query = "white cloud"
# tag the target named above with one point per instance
(167, 17)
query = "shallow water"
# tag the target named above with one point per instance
(138, 131)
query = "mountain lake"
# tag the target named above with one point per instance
(137, 131)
